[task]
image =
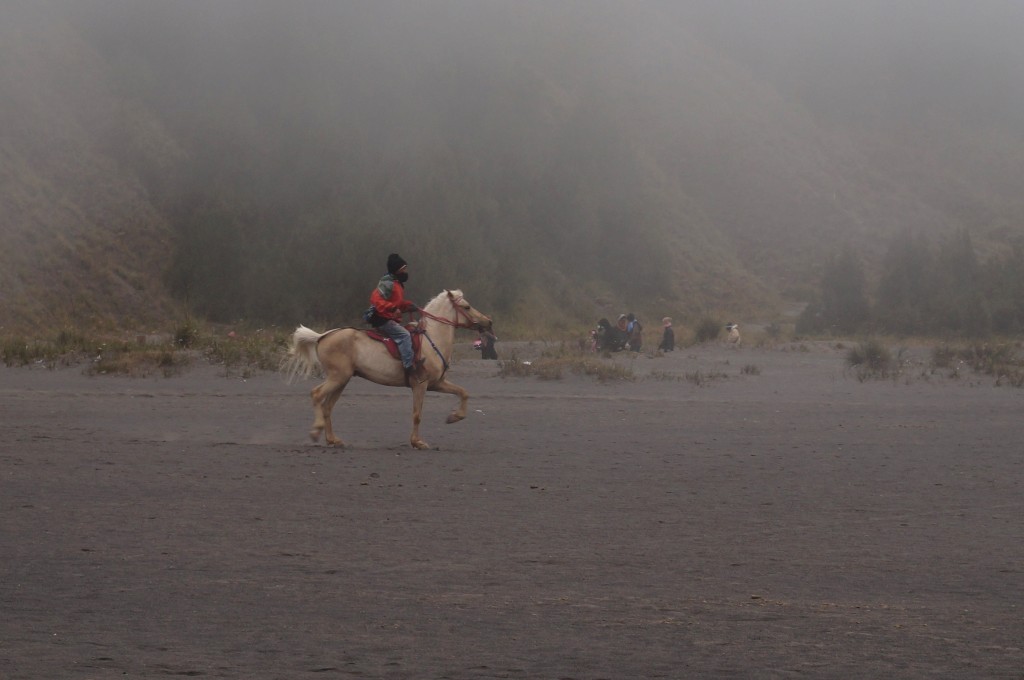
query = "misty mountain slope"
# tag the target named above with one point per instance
(929, 92)
(559, 161)
(80, 239)
(512, 171)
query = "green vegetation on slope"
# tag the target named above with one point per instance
(559, 163)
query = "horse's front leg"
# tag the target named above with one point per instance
(459, 412)
(418, 391)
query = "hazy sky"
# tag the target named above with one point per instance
(967, 54)
(836, 53)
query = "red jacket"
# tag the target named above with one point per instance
(388, 298)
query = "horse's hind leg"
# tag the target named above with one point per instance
(316, 394)
(328, 406)
(325, 396)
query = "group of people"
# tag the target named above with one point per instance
(388, 303)
(627, 334)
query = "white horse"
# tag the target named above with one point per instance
(346, 352)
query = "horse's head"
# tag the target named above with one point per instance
(466, 314)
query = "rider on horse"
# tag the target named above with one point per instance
(388, 300)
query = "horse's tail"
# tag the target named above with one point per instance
(302, 357)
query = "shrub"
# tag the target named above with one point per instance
(66, 348)
(70, 340)
(260, 350)
(514, 368)
(943, 356)
(187, 333)
(138, 363)
(553, 368)
(871, 359)
(1000, 360)
(700, 379)
(708, 329)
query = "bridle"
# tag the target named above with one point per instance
(462, 317)
(462, 320)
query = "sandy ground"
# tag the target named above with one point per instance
(781, 519)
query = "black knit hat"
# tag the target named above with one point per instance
(395, 262)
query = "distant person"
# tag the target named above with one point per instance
(600, 335)
(487, 340)
(388, 303)
(621, 334)
(634, 332)
(733, 338)
(668, 336)
(618, 335)
(608, 338)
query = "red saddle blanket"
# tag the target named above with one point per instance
(417, 340)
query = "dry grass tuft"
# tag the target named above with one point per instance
(555, 368)
(169, 355)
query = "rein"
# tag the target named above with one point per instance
(460, 314)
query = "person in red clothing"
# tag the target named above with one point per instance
(388, 301)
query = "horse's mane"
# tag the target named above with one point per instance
(434, 306)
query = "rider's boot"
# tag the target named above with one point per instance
(415, 374)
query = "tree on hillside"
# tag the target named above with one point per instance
(904, 296)
(925, 291)
(209, 265)
(959, 302)
(1003, 287)
(843, 306)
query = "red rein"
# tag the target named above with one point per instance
(459, 313)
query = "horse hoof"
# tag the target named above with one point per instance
(334, 441)
(420, 445)
(314, 434)
(454, 418)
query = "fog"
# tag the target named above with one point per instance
(699, 153)
(870, 56)
(407, 70)
(879, 58)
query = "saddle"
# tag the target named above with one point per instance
(417, 340)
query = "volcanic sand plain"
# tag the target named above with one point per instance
(728, 513)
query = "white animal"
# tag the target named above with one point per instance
(733, 338)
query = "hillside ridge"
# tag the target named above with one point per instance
(244, 162)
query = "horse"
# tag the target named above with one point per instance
(345, 352)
